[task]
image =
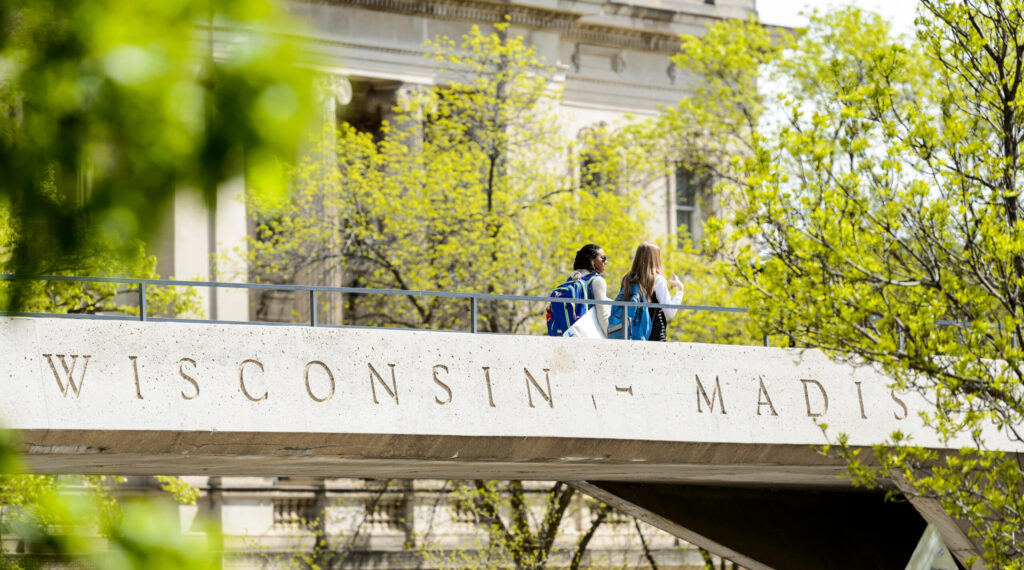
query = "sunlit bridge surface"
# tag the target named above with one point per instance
(652, 427)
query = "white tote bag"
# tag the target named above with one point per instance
(586, 327)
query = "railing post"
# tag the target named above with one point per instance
(626, 322)
(472, 314)
(312, 307)
(142, 301)
(766, 341)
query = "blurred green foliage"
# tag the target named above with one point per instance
(95, 258)
(71, 520)
(109, 107)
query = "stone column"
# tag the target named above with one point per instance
(333, 92)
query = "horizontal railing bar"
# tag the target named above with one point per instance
(90, 316)
(952, 323)
(219, 322)
(369, 291)
(213, 321)
(281, 324)
(313, 289)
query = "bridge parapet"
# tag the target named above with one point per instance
(147, 398)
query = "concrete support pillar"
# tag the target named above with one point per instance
(952, 532)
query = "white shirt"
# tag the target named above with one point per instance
(599, 290)
(661, 292)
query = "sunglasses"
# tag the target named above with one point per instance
(604, 259)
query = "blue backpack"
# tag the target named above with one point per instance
(561, 316)
(638, 319)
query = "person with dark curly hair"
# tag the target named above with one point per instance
(590, 259)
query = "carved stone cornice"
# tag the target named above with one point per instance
(468, 10)
(573, 24)
(643, 41)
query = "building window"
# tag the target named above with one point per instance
(687, 188)
(594, 172)
(592, 178)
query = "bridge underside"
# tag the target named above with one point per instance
(422, 456)
(764, 527)
(780, 506)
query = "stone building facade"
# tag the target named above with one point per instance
(288, 522)
(613, 59)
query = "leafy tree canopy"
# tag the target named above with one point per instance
(473, 185)
(877, 216)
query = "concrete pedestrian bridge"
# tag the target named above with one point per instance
(713, 443)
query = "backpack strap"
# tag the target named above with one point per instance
(636, 291)
(586, 279)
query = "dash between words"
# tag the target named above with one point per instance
(816, 397)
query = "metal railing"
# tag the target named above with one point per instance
(312, 291)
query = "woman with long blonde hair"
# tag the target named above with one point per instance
(648, 273)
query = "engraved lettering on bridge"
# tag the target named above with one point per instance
(197, 402)
(717, 391)
(767, 400)
(392, 390)
(69, 373)
(191, 380)
(896, 399)
(548, 396)
(241, 379)
(807, 398)
(487, 378)
(135, 369)
(330, 380)
(442, 384)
